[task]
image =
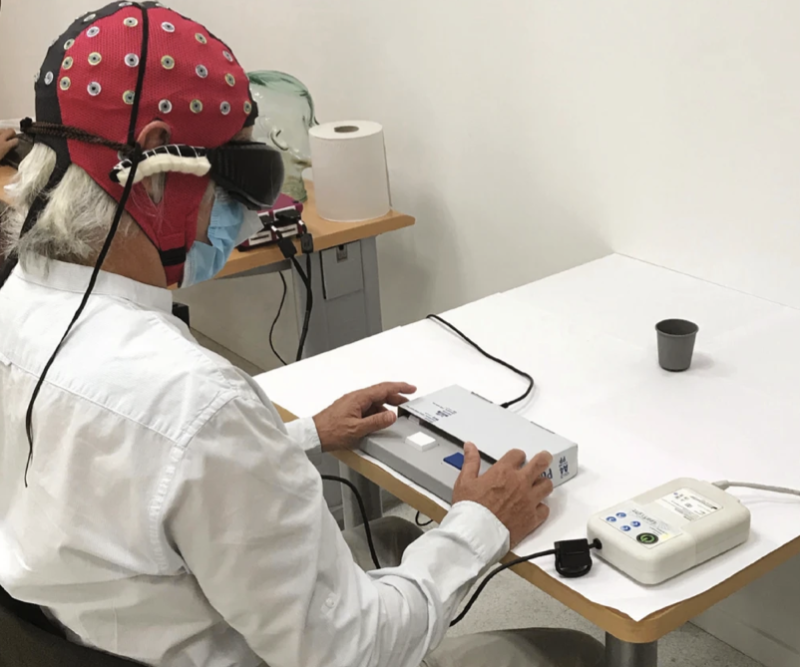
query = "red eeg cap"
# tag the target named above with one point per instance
(192, 82)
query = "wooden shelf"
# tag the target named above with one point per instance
(326, 234)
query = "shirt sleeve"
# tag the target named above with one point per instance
(248, 517)
(304, 432)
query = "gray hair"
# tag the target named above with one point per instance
(74, 223)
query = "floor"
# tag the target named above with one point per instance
(510, 602)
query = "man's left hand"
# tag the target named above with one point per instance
(356, 415)
(8, 142)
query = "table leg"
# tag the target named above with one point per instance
(370, 494)
(347, 308)
(625, 654)
(346, 288)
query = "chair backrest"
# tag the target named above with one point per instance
(28, 639)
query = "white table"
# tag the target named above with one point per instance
(587, 336)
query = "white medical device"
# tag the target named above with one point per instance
(670, 529)
(426, 443)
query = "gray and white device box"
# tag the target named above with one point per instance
(431, 430)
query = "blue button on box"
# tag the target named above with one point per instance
(456, 460)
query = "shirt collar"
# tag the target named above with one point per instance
(66, 277)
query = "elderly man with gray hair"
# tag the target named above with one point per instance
(153, 503)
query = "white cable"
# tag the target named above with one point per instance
(724, 485)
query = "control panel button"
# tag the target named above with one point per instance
(647, 538)
(421, 441)
(456, 460)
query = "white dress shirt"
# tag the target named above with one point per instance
(171, 517)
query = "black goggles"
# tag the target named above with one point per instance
(251, 172)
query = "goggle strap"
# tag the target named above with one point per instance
(29, 127)
(173, 257)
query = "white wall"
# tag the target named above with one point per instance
(528, 136)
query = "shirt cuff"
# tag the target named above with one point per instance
(304, 432)
(482, 530)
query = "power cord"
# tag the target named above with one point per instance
(725, 485)
(492, 575)
(363, 509)
(523, 374)
(287, 248)
(306, 278)
(275, 321)
(573, 559)
(422, 524)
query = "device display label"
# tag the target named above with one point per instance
(689, 504)
(641, 527)
(431, 412)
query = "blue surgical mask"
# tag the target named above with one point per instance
(231, 224)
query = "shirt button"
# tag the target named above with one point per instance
(331, 603)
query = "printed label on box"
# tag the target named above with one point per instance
(689, 504)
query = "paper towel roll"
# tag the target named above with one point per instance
(350, 177)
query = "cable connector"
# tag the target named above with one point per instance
(307, 243)
(286, 245)
(574, 558)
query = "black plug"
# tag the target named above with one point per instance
(307, 243)
(573, 558)
(286, 245)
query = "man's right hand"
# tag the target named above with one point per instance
(512, 490)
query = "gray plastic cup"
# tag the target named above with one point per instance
(676, 344)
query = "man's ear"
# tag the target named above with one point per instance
(153, 135)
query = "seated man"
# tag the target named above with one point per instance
(153, 503)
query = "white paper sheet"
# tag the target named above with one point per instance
(587, 336)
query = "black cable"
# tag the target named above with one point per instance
(528, 377)
(95, 273)
(145, 48)
(421, 524)
(136, 157)
(306, 278)
(491, 575)
(275, 321)
(363, 509)
(289, 251)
